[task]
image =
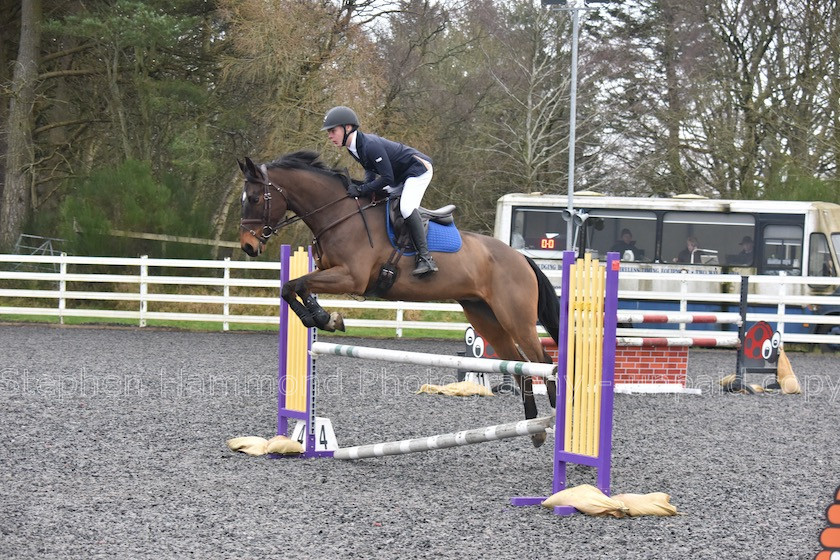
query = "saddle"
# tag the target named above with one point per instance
(442, 215)
(441, 235)
(439, 224)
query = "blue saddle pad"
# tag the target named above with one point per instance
(442, 239)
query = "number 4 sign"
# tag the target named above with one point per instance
(325, 439)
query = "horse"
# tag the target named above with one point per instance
(502, 292)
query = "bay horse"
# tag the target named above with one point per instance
(502, 292)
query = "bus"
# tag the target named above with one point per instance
(685, 233)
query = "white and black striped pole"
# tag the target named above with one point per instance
(444, 441)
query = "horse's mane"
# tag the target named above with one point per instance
(308, 160)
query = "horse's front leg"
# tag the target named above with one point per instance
(299, 294)
(310, 312)
(288, 293)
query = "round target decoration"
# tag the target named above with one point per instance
(755, 339)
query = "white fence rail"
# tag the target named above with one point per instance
(82, 279)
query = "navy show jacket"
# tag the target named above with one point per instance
(387, 164)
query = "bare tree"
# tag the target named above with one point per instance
(805, 101)
(530, 69)
(650, 51)
(733, 113)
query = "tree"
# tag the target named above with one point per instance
(805, 103)
(137, 201)
(533, 75)
(733, 114)
(289, 61)
(735, 98)
(133, 80)
(18, 184)
(652, 49)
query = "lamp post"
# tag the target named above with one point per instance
(575, 7)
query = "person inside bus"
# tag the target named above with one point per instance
(745, 257)
(626, 243)
(689, 254)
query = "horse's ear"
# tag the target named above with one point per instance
(242, 167)
(253, 171)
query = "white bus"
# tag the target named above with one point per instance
(683, 233)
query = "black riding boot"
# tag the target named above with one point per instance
(425, 262)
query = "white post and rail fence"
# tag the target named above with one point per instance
(231, 292)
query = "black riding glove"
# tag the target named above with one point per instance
(353, 191)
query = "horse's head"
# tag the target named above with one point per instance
(310, 189)
(263, 206)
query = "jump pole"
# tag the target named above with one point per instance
(443, 441)
(533, 369)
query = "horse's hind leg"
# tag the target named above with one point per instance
(482, 318)
(531, 345)
(516, 313)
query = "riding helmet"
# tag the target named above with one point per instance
(338, 116)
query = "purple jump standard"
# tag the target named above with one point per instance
(562, 455)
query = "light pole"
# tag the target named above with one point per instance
(575, 7)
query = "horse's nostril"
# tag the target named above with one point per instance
(250, 251)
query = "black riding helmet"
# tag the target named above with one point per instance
(339, 116)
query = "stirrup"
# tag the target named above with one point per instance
(424, 265)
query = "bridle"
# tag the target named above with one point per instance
(267, 230)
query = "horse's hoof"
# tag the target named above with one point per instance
(538, 439)
(336, 322)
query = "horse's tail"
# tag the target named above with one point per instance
(548, 307)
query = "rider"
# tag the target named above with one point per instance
(395, 168)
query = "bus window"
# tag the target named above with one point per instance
(704, 237)
(631, 233)
(782, 250)
(535, 231)
(819, 259)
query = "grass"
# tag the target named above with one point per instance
(214, 326)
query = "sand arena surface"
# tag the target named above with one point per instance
(113, 446)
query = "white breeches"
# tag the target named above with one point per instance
(412, 193)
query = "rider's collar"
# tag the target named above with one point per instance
(352, 145)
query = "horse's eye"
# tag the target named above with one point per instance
(251, 198)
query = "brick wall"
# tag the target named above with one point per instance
(645, 364)
(650, 364)
(653, 365)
